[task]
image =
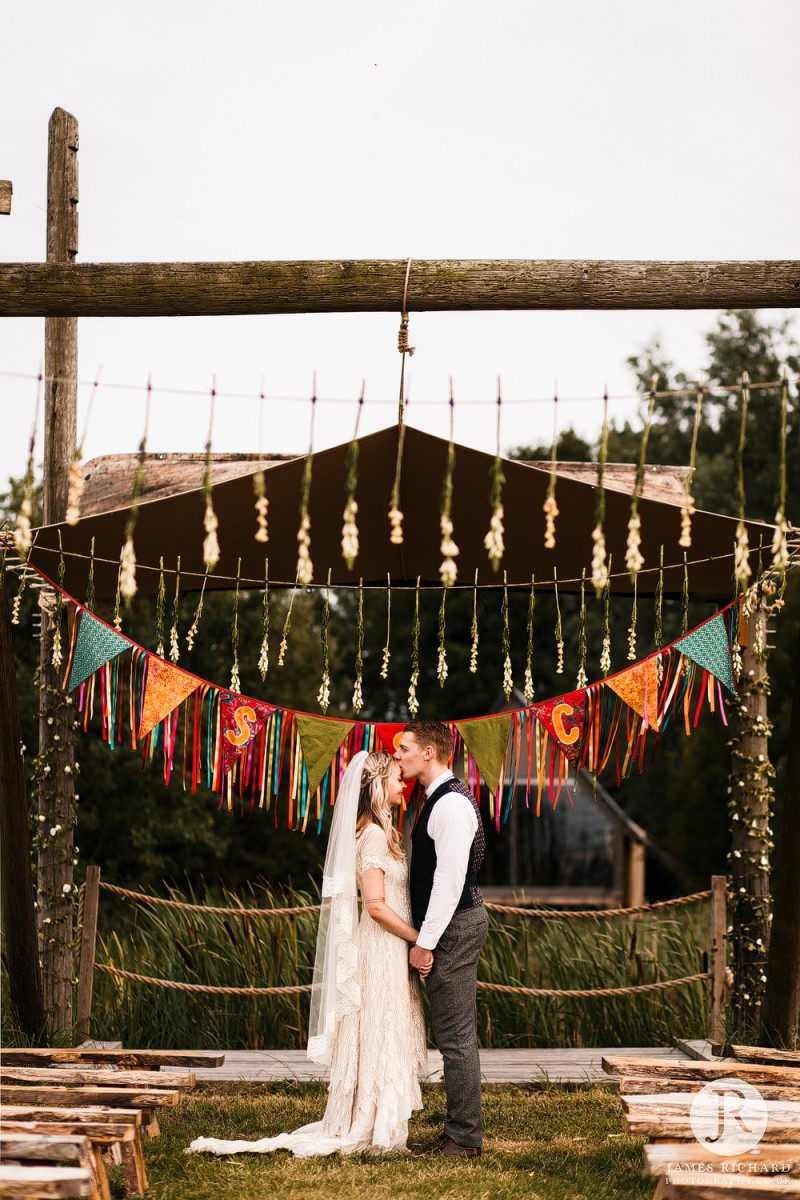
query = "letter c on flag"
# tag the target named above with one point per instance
(567, 738)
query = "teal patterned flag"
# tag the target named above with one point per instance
(97, 644)
(708, 646)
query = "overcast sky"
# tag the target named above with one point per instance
(354, 129)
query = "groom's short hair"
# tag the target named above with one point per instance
(433, 733)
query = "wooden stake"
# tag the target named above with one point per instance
(88, 945)
(56, 735)
(719, 958)
(6, 189)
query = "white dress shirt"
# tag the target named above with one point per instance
(452, 825)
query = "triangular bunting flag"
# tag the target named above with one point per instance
(320, 738)
(486, 739)
(638, 687)
(708, 646)
(242, 718)
(96, 645)
(563, 718)
(165, 688)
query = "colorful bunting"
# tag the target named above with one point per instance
(242, 719)
(165, 688)
(709, 647)
(486, 739)
(320, 738)
(563, 718)
(638, 687)
(96, 645)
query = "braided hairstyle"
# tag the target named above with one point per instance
(372, 802)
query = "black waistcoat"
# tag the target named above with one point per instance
(423, 857)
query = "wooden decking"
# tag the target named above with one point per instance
(497, 1066)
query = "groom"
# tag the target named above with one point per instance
(447, 909)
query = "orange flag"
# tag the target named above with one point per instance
(638, 687)
(165, 688)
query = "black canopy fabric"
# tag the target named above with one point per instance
(173, 526)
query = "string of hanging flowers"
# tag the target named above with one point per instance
(550, 507)
(56, 656)
(210, 520)
(780, 548)
(583, 678)
(387, 654)
(558, 631)
(324, 693)
(263, 653)
(634, 560)
(358, 692)
(494, 539)
(260, 482)
(174, 648)
(687, 508)
(448, 571)
(287, 624)
(473, 633)
(236, 685)
(161, 604)
(90, 591)
(413, 702)
(441, 664)
(599, 567)
(605, 651)
(350, 545)
(529, 690)
(634, 621)
(741, 555)
(191, 632)
(127, 556)
(117, 620)
(508, 679)
(305, 567)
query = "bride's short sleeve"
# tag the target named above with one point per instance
(371, 850)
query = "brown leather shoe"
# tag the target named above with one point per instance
(447, 1148)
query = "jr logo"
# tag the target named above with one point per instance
(728, 1116)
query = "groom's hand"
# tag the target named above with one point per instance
(420, 958)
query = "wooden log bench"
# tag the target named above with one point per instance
(758, 1054)
(146, 1060)
(105, 1127)
(22, 1179)
(657, 1096)
(57, 1149)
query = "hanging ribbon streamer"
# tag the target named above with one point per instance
(358, 690)
(508, 679)
(559, 633)
(263, 654)
(605, 652)
(260, 480)
(634, 561)
(413, 702)
(599, 568)
(687, 508)
(75, 485)
(387, 654)
(191, 632)
(473, 633)
(582, 676)
(305, 567)
(161, 604)
(174, 648)
(550, 507)
(741, 558)
(236, 685)
(287, 624)
(634, 622)
(441, 664)
(23, 538)
(529, 690)
(210, 521)
(448, 571)
(127, 555)
(395, 512)
(494, 540)
(349, 517)
(780, 549)
(324, 693)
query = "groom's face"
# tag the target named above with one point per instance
(411, 756)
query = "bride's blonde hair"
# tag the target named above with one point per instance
(373, 805)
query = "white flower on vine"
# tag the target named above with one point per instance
(551, 511)
(413, 702)
(528, 690)
(263, 658)
(127, 572)
(350, 533)
(385, 664)
(396, 526)
(634, 561)
(174, 648)
(448, 571)
(493, 540)
(605, 655)
(780, 548)
(508, 678)
(559, 658)
(211, 542)
(358, 697)
(305, 567)
(236, 685)
(22, 534)
(324, 693)
(262, 529)
(599, 564)
(741, 555)
(441, 666)
(282, 651)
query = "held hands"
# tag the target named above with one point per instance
(421, 960)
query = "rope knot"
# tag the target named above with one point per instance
(402, 337)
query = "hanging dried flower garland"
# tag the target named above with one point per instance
(599, 567)
(685, 598)
(529, 690)
(780, 548)
(305, 567)
(127, 555)
(287, 624)
(583, 678)
(263, 653)
(260, 481)
(558, 631)
(441, 662)
(741, 556)
(508, 679)
(174, 648)
(349, 517)
(448, 571)
(236, 685)
(23, 538)
(687, 508)
(413, 702)
(493, 540)
(387, 654)
(605, 651)
(191, 632)
(90, 592)
(473, 633)
(358, 687)
(658, 615)
(75, 482)
(324, 693)
(634, 621)
(634, 561)
(56, 656)
(395, 512)
(161, 604)
(210, 520)
(550, 507)
(117, 620)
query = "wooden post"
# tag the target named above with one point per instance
(782, 999)
(56, 766)
(6, 190)
(634, 874)
(719, 957)
(88, 945)
(19, 917)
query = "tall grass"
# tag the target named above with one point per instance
(561, 952)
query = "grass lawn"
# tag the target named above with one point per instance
(551, 1141)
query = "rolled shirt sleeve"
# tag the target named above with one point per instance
(452, 826)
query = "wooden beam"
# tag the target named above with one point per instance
(6, 190)
(88, 943)
(719, 957)
(373, 285)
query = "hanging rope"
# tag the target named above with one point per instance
(395, 512)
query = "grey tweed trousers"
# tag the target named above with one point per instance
(452, 991)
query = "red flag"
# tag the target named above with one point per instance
(563, 718)
(242, 718)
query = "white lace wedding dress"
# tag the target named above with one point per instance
(380, 1046)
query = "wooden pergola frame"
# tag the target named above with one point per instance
(61, 291)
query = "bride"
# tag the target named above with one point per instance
(366, 1019)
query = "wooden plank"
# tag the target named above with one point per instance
(72, 1116)
(97, 1076)
(719, 955)
(693, 1069)
(101, 1133)
(663, 1158)
(219, 288)
(760, 1054)
(677, 1126)
(648, 1086)
(44, 1181)
(6, 192)
(126, 1097)
(675, 1104)
(91, 899)
(62, 1147)
(741, 1189)
(27, 1056)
